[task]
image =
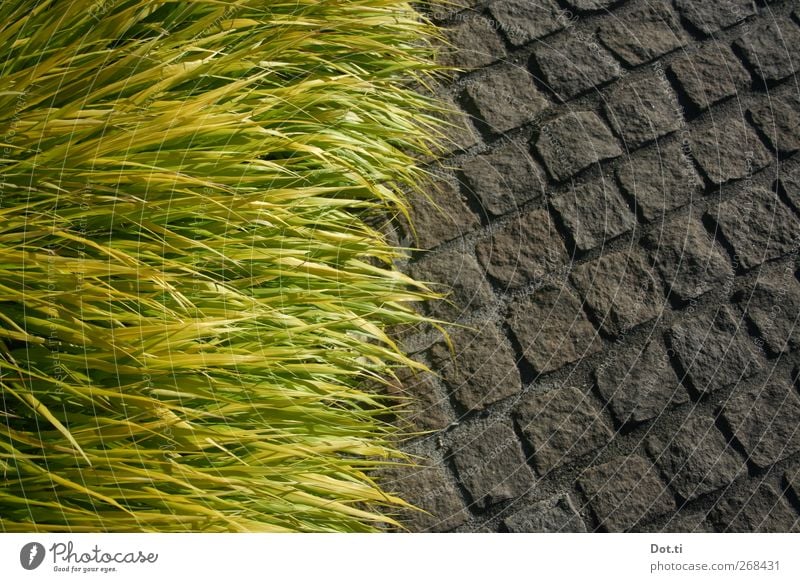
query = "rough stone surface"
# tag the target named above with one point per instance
(473, 44)
(594, 212)
(554, 515)
(722, 252)
(560, 426)
(482, 368)
(552, 328)
(624, 492)
(772, 48)
(643, 33)
(573, 142)
(429, 488)
(727, 149)
(639, 384)
(660, 179)
(709, 75)
(790, 185)
(506, 97)
(458, 274)
(710, 17)
(620, 289)
(490, 463)
(773, 306)
(696, 459)
(758, 227)
(714, 350)
(504, 178)
(591, 4)
(779, 121)
(525, 20)
(573, 66)
(689, 264)
(764, 419)
(523, 250)
(643, 110)
(757, 509)
(793, 479)
(426, 407)
(687, 523)
(458, 131)
(451, 219)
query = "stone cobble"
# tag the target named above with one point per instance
(624, 492)
(764, 419)
(757, 509)
(616, 224)
(574, 142)
(790, 185)
(490, 464)
(772, 49)
(472, 43)
(758, 227)
(521, 251)
(710, 17)
(643, 32)
(688, 261)
(642, 111)
(695, 459)
(573, 67)
(709, 75)
(793, 480)
(552, 329)
(523, 20)
(504, 179)
(427, 486)
(620, 289)
(727, 149)
(459, 275)
(480, 370)
(714, 350)
(506, 97)
(442, 216)
(686, 522)
(778, 120)
(772, 304)
(426, 407)
(639, 384)
(560, 425)
(660, 178)
(458, 132)
(555, 515)
(593, 212)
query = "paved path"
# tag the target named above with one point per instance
(621, 233)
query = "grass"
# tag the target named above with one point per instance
(192, 298)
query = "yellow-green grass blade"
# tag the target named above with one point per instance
(193, 299)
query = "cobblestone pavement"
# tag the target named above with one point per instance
(620, 233)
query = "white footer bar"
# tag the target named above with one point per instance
(399, 557)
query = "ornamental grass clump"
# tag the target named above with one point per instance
(192, 298)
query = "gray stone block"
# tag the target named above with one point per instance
(560, 426)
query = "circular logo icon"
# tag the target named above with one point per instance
(31, 555)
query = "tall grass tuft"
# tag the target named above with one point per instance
(191, 294)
